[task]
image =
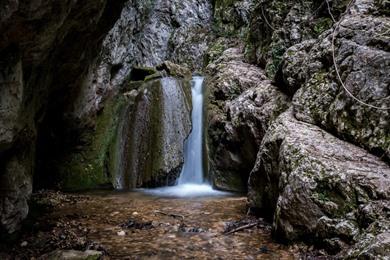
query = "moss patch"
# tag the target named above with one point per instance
(87, 168)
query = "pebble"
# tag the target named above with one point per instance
(23, 244)
(121, 233)
(114, 213)
(135, 213)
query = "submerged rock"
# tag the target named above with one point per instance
(315, 185)
(73, 255)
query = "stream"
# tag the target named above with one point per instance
(135, 225)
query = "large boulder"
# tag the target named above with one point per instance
(242, 106)
(361, 50)
(316, 186)
(237, 138)
(149, 147)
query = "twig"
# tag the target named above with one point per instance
(241, 228)
(169, 214)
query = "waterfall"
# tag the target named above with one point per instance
(191, 182)
(192, 171)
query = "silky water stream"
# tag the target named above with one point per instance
(191, 182)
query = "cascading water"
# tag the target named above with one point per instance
(192, 171)
(191, 182)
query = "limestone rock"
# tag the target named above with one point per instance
(40, 64)
(236, 140)
(149, 148)
(232, 17)
(175, 70)
(278, 25)
(147, 34)
(315, 185)
(362, 56)
(11, 96)
(238, 122)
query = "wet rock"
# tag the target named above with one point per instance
(73, 255)
(146, 34)
(242, 106)
(175, 70)
(132, 223)
(313, 184)
(149, 144)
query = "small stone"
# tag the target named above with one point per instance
(135, 213)
(121, 233)
(114, 213)
(23, 244)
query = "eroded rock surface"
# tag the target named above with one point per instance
(315, 185)
(242, 105)
(363, 60)
(40, 65)
(149, 146)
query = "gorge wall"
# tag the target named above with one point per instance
(83, 105)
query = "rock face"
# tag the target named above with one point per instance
(316, 185)
(150, 141)
(242, 106)
(147, 34)
(362, 57)
(277, 25)
(40, 66)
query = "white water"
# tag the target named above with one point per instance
(192, 171)
(191, 182)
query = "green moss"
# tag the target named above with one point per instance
(276, 53)
(87, 169)
(322, 25)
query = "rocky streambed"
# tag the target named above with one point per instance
(133, 225)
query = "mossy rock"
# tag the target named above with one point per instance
(88, 167)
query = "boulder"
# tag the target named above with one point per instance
(316, 186)
(237, 138)
(362, 57)
(242, 105)
(148, 148)
(175, 70)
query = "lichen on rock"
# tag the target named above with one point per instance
(314, 185)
